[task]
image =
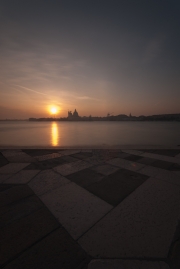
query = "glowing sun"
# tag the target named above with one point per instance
(53, 110)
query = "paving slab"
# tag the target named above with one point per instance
(161, 157)
(47, 156)
(57, 250)
(161, 174)
(133, 166)
(85, 177)
(105, 169)
(69, 151)
(3, 160)
(117, 186)
(47, 181)
(22, 177)
(10, 152)
(21, 234)
(14, 193)
(4, 177)
(145, 160)
(75, 208)
(134, 152)
(39, 152)
(141, 226)
(20, 209)
(125, 264)
(69, 168)
(12, 168)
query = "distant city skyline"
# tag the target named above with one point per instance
(100, 57)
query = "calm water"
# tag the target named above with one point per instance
(25, 133)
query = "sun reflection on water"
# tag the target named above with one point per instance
(54, 134)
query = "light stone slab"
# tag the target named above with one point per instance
(4, 177)
(48, 157)
(150, 171)
(134, 152)
(18, 157)
(126, 164)
(12, 168)
(141, 226)
(69, 168)
(22, 177)
(105, 169)
(75, 208)
(159, 173)
(9, 153)
(47, 181)
(125, 264)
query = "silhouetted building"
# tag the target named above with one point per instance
(74, 115)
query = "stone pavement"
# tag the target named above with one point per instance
(90, 208)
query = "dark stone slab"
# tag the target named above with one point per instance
(14, 193)
(105, 155)
(147, 161)
(162, 164)
(175, 167)
(117, 186)
(4, 187)
(85, 177)
(82, 155)
(3, 160)
(166, 152)
(19, 235)
(57, 250)
(174, 255)
(39, 152)
(47, 164)
(133, 158)
(19, 209)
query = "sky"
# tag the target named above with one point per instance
(100, 57)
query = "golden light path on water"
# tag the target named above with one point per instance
(54, 134)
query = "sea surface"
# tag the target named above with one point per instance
(71, 134)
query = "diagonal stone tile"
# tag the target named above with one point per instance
(82, 155)
(105, 169)
(22, 177)
(48, 156)
(177, 156)
(14, 193)
(133, 166)
(94, 160)
(46, 164)
(3, 160)
(161, 157)
(142, 226)
(125, 264)
(147, 161)
(12, 168)
(40, 152)
(161, 174)
(133, 158)
(69, 151)
(85, 177)
(114, 188)
(4, 177)
(21, 234)
(11, 153)
(69, 168)
(75, 208)
(47, 181)
(20, 209)
(57, 250)
(69, 159)
(21, 158)
(134, 152)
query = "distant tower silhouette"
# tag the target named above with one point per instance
(75, 114)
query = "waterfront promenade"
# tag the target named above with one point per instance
(90, 208)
